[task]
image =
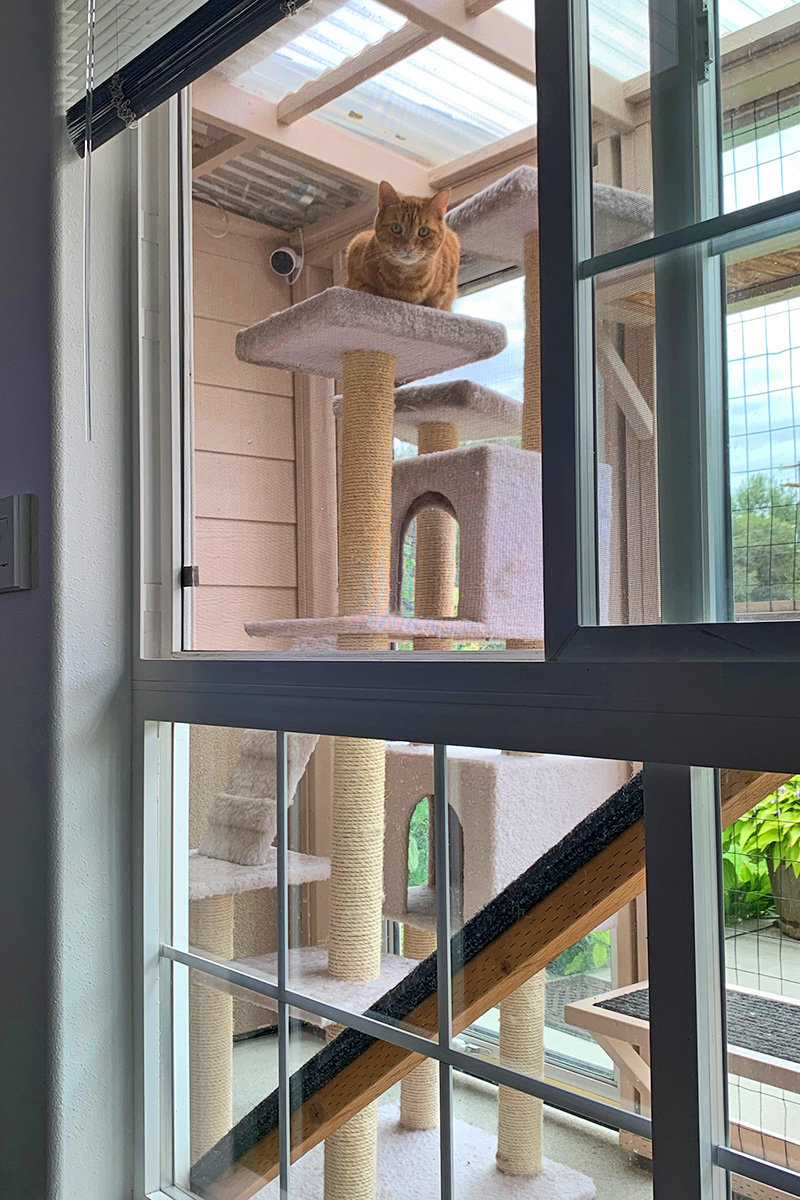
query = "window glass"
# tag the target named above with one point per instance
(750, 452)
(760, 866)
(759, 109)
(502, 808)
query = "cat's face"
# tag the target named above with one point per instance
(410, 229)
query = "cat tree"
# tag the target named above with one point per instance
(370, 343)
(373, 343)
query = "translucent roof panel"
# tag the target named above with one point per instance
(438, 104)
(342, 34)
(619, 29)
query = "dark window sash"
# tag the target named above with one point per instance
(197, 44)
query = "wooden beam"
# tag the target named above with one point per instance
(308, 140)
(338, 80)
(740, 790)
(219, 152)
(474, 8)
(496, 154)
(492, 35)
(624, 390)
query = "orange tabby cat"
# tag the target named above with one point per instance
(410, 254)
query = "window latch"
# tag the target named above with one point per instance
(190, 577)
(703, 43)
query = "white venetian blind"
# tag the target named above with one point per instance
(123, 28)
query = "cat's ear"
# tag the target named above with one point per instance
(387, 195)
(438, 203)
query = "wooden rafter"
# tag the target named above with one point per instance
(219, 152)
(497, 154)
(597, 890)
(474, 8)
(333, 83)
(624, 389)
(308, 140)
(494, 36)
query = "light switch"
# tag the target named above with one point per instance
(16, 543)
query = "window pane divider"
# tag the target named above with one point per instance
(727, 231)
(769, 1174)
(555, 1096)
(444, 968)
(687, 1006)
(284, 1105)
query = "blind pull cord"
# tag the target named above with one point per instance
(91, 23)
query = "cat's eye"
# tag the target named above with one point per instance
(396, 227)
(423, 231)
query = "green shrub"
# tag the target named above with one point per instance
(767, 835)
(746, 884)
(770, 832)
(589, 954)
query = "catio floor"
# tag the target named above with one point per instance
(568, 1140)
(756, 956)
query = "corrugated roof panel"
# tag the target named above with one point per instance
(440, 103)
(344, 32)
(271, 187)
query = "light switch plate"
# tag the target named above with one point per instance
(16, 543)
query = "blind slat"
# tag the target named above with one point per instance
(147, 50)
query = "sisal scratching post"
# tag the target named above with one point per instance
(435, 570)
(519, 1122)
(351, 1154)
(532, 378)
(210, 1029)
(359, 776)
(532, 370)
(419, 1091)
(365, 505)
(356, 918)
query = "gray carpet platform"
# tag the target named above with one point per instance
(314, 335)
(493, 223)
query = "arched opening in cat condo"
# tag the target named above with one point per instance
(421, 893)
(429, 559)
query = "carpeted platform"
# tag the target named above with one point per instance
(314, 335)
(763, 1024)
(216, 877)
(408, 1169)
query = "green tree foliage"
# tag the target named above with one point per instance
(418, 845)
(589, 954)
(764, 521)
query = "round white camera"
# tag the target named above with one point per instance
(284, 261)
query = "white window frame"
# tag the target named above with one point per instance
(668, 697)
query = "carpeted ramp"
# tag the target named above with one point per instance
(536, 916)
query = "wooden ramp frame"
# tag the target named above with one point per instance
(597, 869)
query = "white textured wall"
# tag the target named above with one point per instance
(65, 913)
(93, 1108)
